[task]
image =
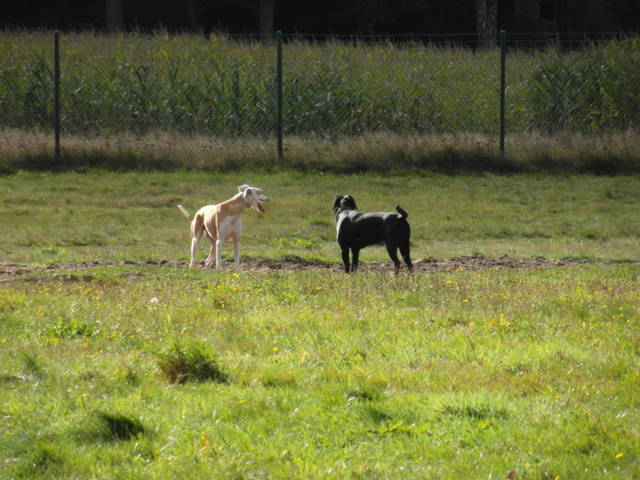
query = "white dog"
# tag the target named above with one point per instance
(221, 222)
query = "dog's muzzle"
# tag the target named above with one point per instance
(259, 205)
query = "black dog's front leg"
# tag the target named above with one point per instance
(345, 258)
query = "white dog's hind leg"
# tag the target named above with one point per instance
(236, 254)
(194, 247)
(209, 260)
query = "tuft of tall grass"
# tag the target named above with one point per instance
(480, 411)
(189, 363)
(64, 328)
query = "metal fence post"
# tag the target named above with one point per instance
(56, 92)
(503, 57)
(279, 129)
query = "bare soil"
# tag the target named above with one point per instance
(13, 271)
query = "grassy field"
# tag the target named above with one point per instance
(158, 371)
(113, 216)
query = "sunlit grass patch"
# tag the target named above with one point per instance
(329, 371)
(31, 365)
(276, 379)
(44, 458)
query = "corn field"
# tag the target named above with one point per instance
(223, 87)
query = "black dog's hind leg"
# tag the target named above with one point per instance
(345, 258)
(404, 251)
(355, 252)
(392, 249)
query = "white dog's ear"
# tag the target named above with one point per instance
(242, 188)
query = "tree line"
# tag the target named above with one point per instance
(338, 17)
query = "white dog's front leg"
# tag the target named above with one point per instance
(236, 254)
(218, 254)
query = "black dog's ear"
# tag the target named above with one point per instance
(336, 203)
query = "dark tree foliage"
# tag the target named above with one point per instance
(418, 17)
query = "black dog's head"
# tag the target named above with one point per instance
(344, 202)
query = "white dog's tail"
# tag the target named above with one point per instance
(184, 212)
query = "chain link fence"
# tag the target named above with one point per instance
(349, 90)
(187, 94)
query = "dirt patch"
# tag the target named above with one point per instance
(14, 271)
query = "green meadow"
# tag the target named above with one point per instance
(122, 370)
(107, 216)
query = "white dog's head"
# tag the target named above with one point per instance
(254, 197)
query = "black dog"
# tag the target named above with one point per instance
(356, 230)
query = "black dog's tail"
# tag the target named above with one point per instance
(403, 213)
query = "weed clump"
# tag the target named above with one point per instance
(476, 412)
(69, 329)
(190, 363)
